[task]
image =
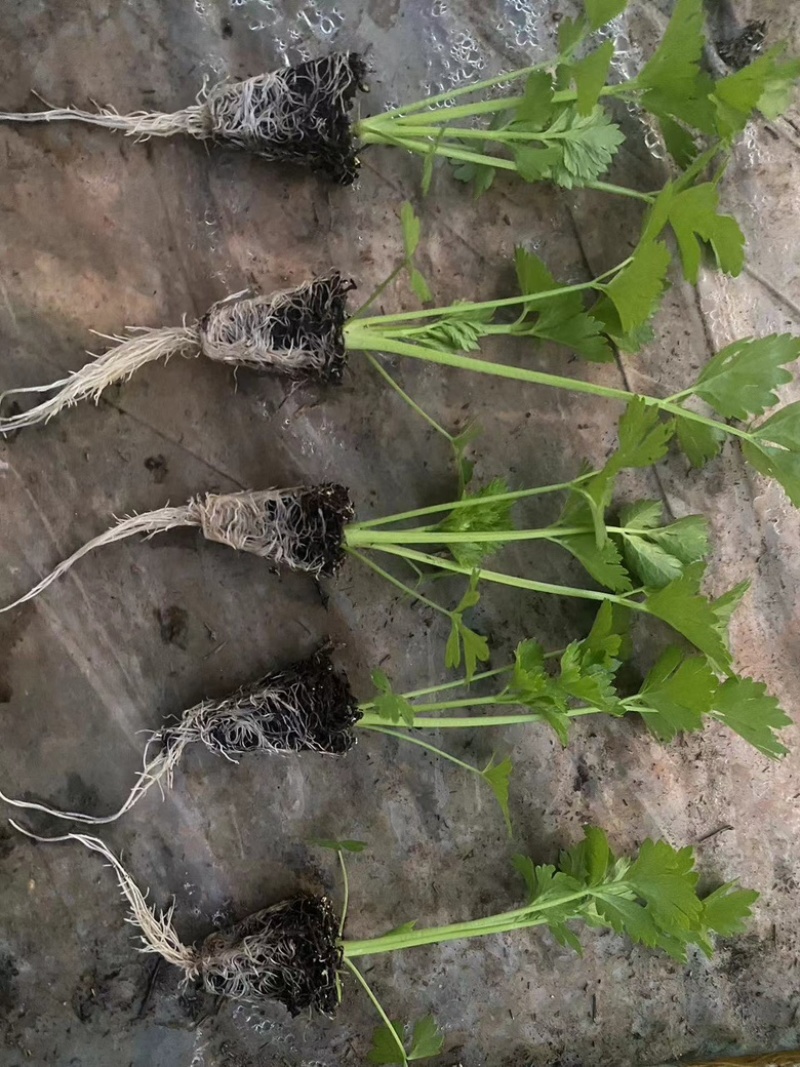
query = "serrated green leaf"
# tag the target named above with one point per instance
(498, 776)
(747, 708)
(524, 864)
(426, 1040)
(588, 142)
(387, 1047)
(665, 878)
(740, 381)
(420, 286)
(604, 563)
(779, 89)
(675, 87)
(679, 142)
(570, 34)
(338, 846)
(678, 692)
(681, 605)
(698, 442)
(643, 436)
(776, 463)
(411, 229)
(589, 676)
(589, 75)
(694, 217)
(536, 106)
(535, 164)
(609, 641)
(600, 12)
(764, 85)
(725, 605)
(782, 428)
(475, 647)
(643, 440)
(658, 555)
(562, 318)
(590, 860)
(726, 909)
(564, 936)
(404, 928)
(643, 514)
(626, 916)
(486, 516)
(390, 705)
(638, 289)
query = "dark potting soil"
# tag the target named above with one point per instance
(302, 117)
(320, 513)
(739, 51)
(289, 953)
(315, 322)
(306, 707)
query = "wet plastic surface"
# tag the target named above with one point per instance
(99, 233)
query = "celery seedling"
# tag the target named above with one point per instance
(547, 122)
(309, 707)
(294, 952)
(311, 528)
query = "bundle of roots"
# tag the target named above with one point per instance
(302, 529)
(298, 115)
(289, 953)
(306, 707)
(297, 333)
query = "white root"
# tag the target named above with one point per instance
(115, 365)
(147, 524)
(156, 770)
(142, 125)
(301, 528)
(296, 115)
(156, 928)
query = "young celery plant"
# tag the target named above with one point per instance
(645, 567)
(739, 384)
(679, 695)
(546, 122)
(651, 898)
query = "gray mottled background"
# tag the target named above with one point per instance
(97, 233)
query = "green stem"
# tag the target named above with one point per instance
(376, 364)
(450, 685)
(346, 891)
(508, 579)
(449, 114)
(400, 585)
(359, 538)
(470, 722)
(363, 342)
(463, 90)
(379, 321)
(366, 341)
(434, 509)
(400, 736)
(376, 1004)
(510, 920)
(377, 292)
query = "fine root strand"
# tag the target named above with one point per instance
(297, 115)
(297, 332)
(118, 364)
(155, 927)
(147, 524)
(300, 528)
(306, 707)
